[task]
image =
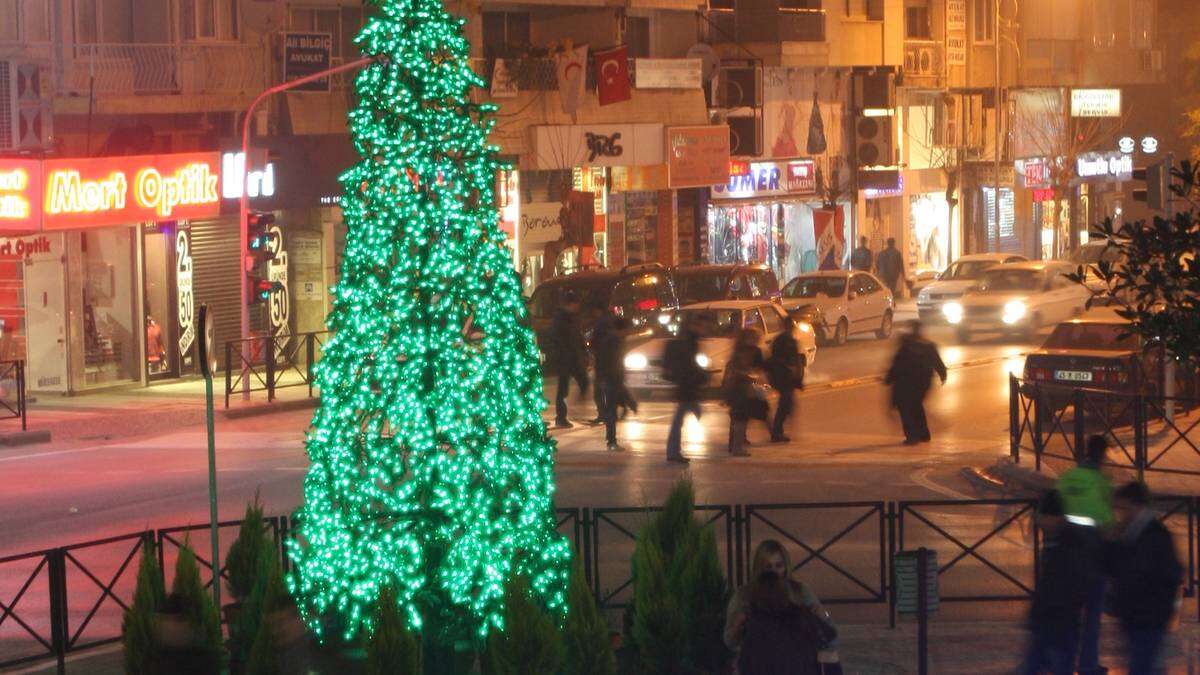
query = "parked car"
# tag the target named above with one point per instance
(720, 325)
(1017, 298)
(642, 294)
(953, 281)
(1092, 253)
(849, 303)
(707, 283)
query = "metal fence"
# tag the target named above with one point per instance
(156, 69)
(58, 601)
(270, 363)
(1048, 420)
(13, 401)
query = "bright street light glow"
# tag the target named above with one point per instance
(702, 360)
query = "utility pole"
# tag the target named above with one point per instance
(996, 149)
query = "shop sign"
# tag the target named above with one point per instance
(24, 248)
(184, 294)
(667, 73)
(1104, 165)
(768, 179)
(697, 156)
(1036, 172)
(86, 193)
(575, 146)
(1149, 145)
(985, 174)
(1043, 195)
(306, 54)
(884, 192)
(257, 183)
(1127, 145)
(1095, 103)
(956, 32)
(541, 222)
(20, 190)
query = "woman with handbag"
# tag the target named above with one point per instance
(746, 398)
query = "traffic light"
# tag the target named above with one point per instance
(259, 248)
(261, 290)
(1157, 178)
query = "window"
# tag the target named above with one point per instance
(771, 317)
(869, 285)
(985, 20)
(1141, 24)
(871, 10)
(342, 24)
(505, 34)
(637, 36)
(209, 19)
(739, 288)
(30, 24)
(916, 20)
(763, 283)
(799, 4)
(752, 319)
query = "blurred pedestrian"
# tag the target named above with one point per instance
(913, 367)
(610, 374)
(1087, 502)
(785, 371)
(861, 259)
(776, 624)
(889, 265)
(681, 368)
(1146, 577)
(567, 355)
(1069, 565)
(740, 388)
(624, 399)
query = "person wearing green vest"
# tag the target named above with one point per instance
(1087, 501)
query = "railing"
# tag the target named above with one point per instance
(13, 404)
(289, 364)
(62, 600)
(1049, 420)
(156, 69)
(766, 25)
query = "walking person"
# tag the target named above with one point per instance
(786, 373)
(1069, 566)
(740, 389)
(1146, 576)
(861, 259)
(1087, 501)
(681, 369)
(610, 374)
(567, 356)
(889, 265)
(913, 367)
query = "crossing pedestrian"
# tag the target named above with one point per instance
(889, 265)
(681, 368)
(610, 374)
(910, 376)
(785, 371)
(1087, 501)
(746, 399)
(1146, 576)
(567, 356)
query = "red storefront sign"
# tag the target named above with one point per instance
(802, 176)
(697, 156)
(20, 195)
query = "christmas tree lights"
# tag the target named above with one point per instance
(431, 470)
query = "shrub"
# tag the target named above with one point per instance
(589, 651)
(252, 641)
(197, 606)
(137, 627)
(393, 649)
(530, 641)
(241, 563)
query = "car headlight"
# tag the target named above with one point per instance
(636, 361)
(805, 327)
(702, 360)
(923, 295)
(664, 319)
(1014, 311)
(953, 311)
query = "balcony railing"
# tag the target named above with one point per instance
(767, 25)
(156, 69)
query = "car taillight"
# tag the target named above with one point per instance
(1039, 374)
(647, 304)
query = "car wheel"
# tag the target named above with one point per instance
(964, 335)
(841, 332)
(885, 327)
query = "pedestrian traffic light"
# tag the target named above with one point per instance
(261, 290)
(1156, 177)
(259, 244)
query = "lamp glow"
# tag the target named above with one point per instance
(1014, 311)
(953, 312)
(636, 361)
(702, 360)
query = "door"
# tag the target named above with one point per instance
(773, 321)
(859, 304)
(872, 292)
(45, 317)
(162, 320)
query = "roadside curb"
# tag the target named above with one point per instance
(258, 409)
(875, 379)
(18, 438)
(1008, 478)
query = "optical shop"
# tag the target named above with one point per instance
(104, 263)
(769, 212)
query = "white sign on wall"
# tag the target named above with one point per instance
(956, 15)
(574, 146)
(277, 270)
(667, 73)
(1104, 165)
(1095, 103)
(541, 222)
(183, 286)
(956, 32)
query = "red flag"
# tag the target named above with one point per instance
(612, 75)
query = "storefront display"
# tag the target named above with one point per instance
(930, 232)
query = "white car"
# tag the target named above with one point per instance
(1018, 298)
(722, 320)
(955, 280)
(849, 303)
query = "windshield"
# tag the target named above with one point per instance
(811, 287)
(710, 323)
(967, 269)
(694, 287)
(1011, 280)
(1099, 336)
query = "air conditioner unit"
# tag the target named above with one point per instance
(8, 106)
(1152, 60)
(738, 87)
(745, 134)
(920, 61)
(873, 141)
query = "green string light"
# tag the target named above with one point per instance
(431, 469)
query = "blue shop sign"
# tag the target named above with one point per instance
(766, 179)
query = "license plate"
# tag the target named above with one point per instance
(1073, 375)
(652, 378)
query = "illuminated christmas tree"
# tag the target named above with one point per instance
(431, 472)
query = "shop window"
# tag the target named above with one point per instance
(505, 34)
(985, 20)
(916, 20)
(106, 343)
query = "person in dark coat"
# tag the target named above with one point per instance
(785, 372)
(1146, 576)
(1069, 566)
(681, 368)
(910, 376)
(779, 636)
(740, 390)
(567, 355)
(889, 265)
(610, 373)
(862, 258)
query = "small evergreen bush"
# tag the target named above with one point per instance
(393, 649)
(241, 563)
(137, 627)
(589, 651)
(530, 641)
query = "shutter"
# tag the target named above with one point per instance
(8, 105)
(215, 254)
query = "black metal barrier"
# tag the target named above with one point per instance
(14, 407)
(58, 601)
(270, 363)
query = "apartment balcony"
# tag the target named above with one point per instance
(766, 25)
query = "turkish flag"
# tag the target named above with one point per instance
(612, 75)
